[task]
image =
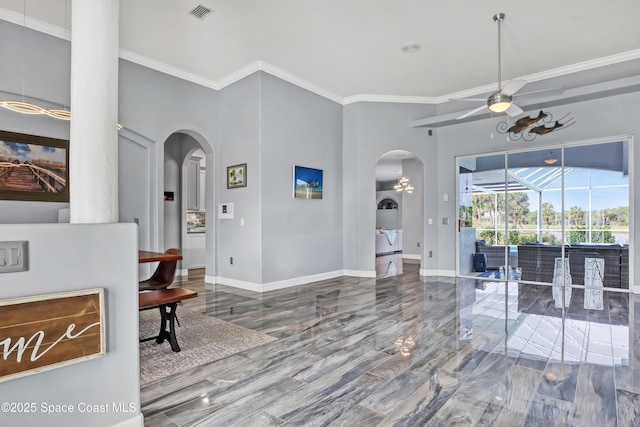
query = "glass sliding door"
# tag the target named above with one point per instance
(483, 248)
(539, 252)
(556, 215)
(596, 214)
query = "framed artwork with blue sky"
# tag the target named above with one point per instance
(307, 183)
(33, 168)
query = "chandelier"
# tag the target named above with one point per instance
(403, 185)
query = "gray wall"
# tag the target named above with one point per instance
(63, 258)
(272, 125)
(152, 106)
(299, 237)
(239, 136)
(370, 131)
(413, 209)
(172, 182)
(26, 55)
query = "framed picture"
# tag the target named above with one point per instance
(237, 176)
(33, 168)
(307, 183)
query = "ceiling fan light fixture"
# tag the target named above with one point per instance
(499, 102)
(550, 159)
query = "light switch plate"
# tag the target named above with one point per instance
(14, 256)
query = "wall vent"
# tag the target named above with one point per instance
(200, 11)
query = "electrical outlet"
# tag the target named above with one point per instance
(430, 254)
(418, 244)
(230, 260)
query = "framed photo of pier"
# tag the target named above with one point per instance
(33, 168)
(307, 183)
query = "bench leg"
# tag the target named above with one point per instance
(168, 313)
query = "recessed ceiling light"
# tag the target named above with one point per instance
(410, 48)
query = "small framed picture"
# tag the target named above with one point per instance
(307, 183)
(237, 176)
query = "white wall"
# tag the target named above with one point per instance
(65, 257)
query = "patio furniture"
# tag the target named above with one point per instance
(538, 261)
(494, 254)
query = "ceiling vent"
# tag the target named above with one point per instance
(200, 11)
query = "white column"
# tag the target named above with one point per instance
(93, 155)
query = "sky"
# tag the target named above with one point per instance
(308, 174)
(32, 152)
(609, 190)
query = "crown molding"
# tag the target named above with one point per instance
(548, 74)
(168, 69)
(240, 74)
(390, 98)
(295, 80)
(34, 24)
(37, 25)
(584, 66)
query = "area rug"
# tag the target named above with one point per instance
(202, 339)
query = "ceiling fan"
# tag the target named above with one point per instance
(502, 100)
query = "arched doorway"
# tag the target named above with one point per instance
(399, 211)
(188, 202)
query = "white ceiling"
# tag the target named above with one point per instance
(350, 50)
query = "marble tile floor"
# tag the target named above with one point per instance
(411, 351)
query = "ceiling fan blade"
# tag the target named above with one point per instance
(546, 92)
(513, 86)
(514, 110)
(469, 113)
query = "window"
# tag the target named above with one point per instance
(525, 209)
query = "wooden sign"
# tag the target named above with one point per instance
(50, 331)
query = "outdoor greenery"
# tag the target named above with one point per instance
(523, 222)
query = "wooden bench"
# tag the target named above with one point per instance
(167, 301)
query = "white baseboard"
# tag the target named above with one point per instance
(297, 281)
(359, 273)
(137, 421)
(445, 273)
(281, 284)
(183, 272)
(411, 256)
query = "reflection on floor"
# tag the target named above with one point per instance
(412, 351)
(388, 265)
